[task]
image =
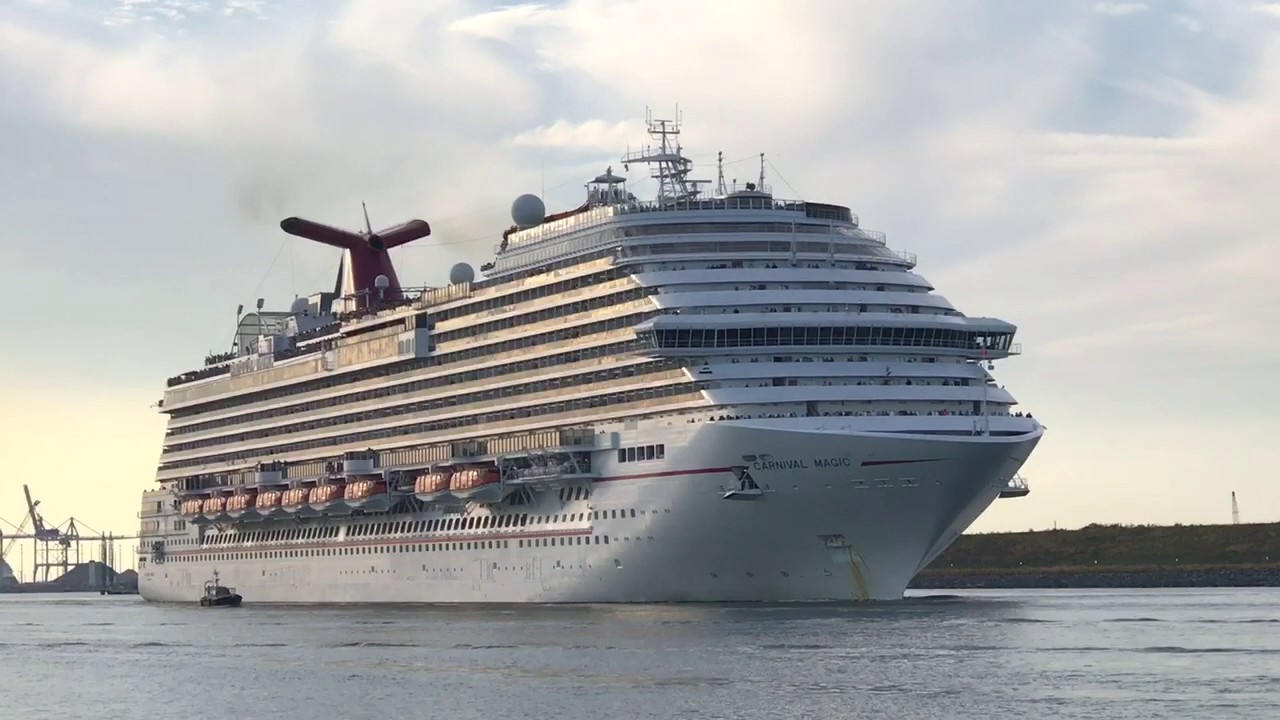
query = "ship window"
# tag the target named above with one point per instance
(662, 451)
(606, 539)
(631, 454)
(633, 512)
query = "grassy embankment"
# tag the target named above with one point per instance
(1114, 548)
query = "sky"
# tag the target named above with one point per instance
(1098, 173)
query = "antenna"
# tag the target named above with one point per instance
(235, 337)
(720, 188)
(1235, 509)
(368, 225)
(761, 186)
(672, 167)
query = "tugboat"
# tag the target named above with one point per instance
(215, 595)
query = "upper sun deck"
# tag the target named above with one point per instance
(611, 214)
(641, 211)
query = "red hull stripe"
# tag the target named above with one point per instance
(868, 463)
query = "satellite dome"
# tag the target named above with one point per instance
(381, 282)
(527, 211)
(462, 272)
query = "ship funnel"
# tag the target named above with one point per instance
(366, 257)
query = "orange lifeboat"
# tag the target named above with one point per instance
(473, 479)
(267, 500)
(362, 490)
(324, 493)
(430, 483)
(191, 507)
(240, 502)
(367, 494)
(295, 496)
(214, 505)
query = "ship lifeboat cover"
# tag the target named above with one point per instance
(240, 501)
(325, 493)
(473, 478)
(361, 489)
(295, 496)
(268, 499)
(431, 483)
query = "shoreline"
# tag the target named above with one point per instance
(1081, 578)
(1111, 556)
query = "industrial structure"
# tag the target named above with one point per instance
(57, 550)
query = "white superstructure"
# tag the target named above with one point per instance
(711, 396)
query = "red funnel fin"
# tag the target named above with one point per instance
(368, 253)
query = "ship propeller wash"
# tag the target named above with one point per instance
(714, 395)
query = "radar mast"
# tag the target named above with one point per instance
(671, 166)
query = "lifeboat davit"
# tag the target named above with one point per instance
(241, 505)
(432, 486)
(478, 484)
(328, 498)
(366, 494)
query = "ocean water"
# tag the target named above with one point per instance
(1194, 653)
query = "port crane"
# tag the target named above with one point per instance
(55, 547)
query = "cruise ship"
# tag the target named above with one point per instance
(714, 395)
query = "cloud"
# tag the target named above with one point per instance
(1272, 9)
(1120, 8)
(595, 134)
(1135, 257)
(1189, 23)
(505, 23)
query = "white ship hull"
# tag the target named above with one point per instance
(842, 516)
